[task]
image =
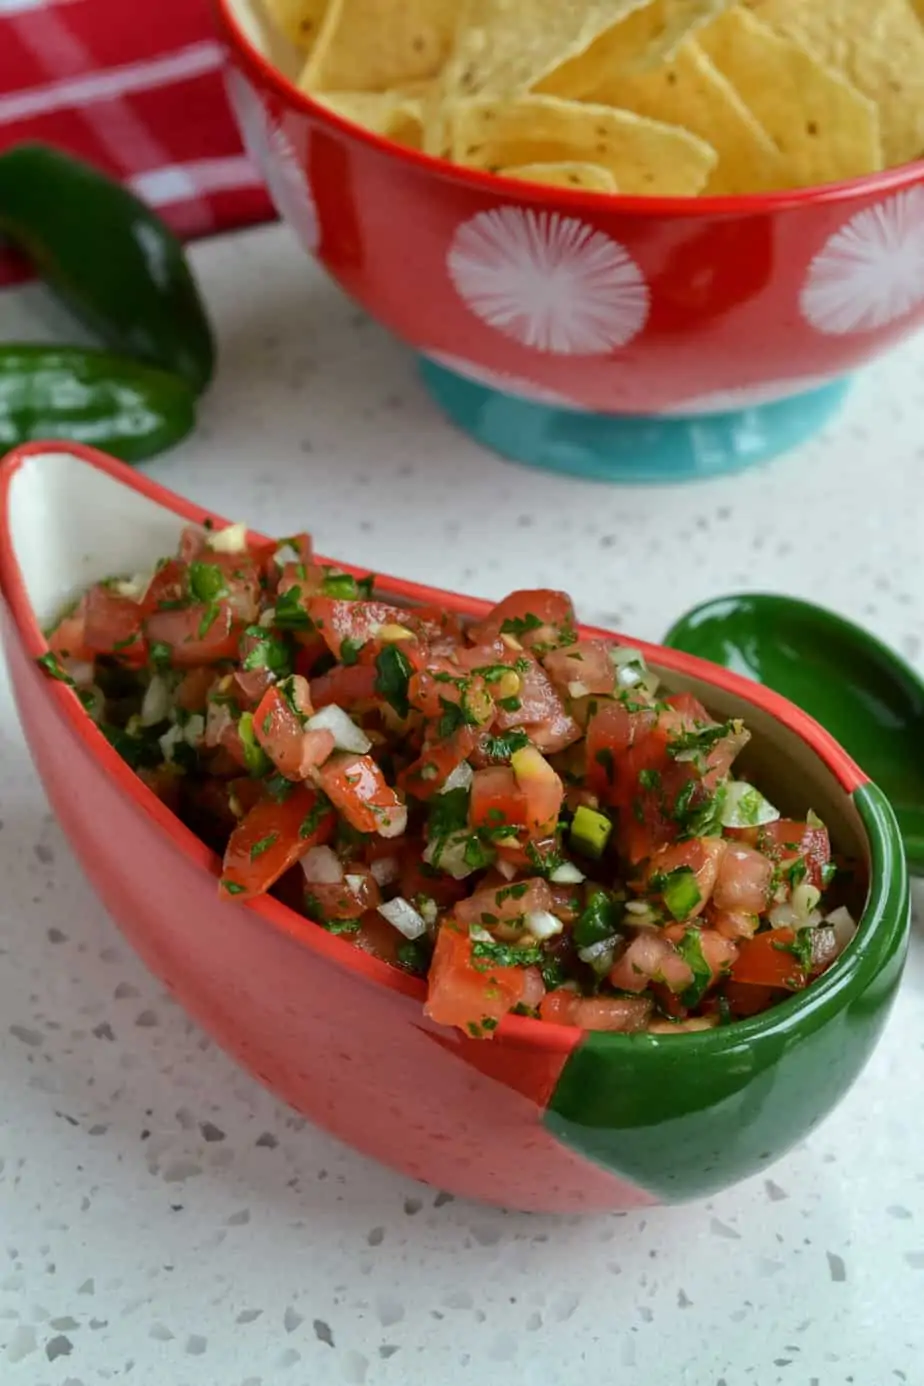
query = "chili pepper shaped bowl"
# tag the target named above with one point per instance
(541, 1116)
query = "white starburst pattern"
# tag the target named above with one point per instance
(275, 156)
(745, 397)
(871, 272)
(549, 281)
(502, 381)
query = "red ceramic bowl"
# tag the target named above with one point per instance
(633, 306)
(541, 1116)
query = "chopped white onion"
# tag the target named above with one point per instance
(170, 739)
(745, 807)
(391, 822)
(506, 869)
(460, 778)
(219, 719)
(231, 539)
(567, 874)
(631, 669)
(133, 587)
(355, 883)
(578, 689)
(448, 854)
(800, 912)
(321, 866)
(155, 705)
(194, 729)
(402, 916)
(384, 870)
(479, 935)
(543, 924)
(347, 735)
(267, 618)
(599, 954)
(844, 926)
(80, 670)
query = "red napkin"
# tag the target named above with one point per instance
(137, 92)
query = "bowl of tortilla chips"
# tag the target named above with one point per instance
(632, 239)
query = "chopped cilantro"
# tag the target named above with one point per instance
(349, 650)
(503, 746)
(263, 845)
(801, 948)
(393, 673)
(140, 752)
(521, 625)
(512, 704)
(553, 973)
(341, 586)
(486, 955)
(448, 813)
(544, 863)
(278, 787)
(691, 744)
(160, 654)
(828, 873)
(209, 617)
(476, 854)
(604, 758)
(690, 949)
(232, 887)
(289, 614)
(267, 652)
(312, 819)
(413, 956)
(453, 717)
(342, 926)
(53, 668)
(796, 873)
(649, 779)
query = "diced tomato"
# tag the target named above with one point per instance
(464, 994)
(272, 837)
(67, 638)
(702, 856)
(309, 649)
(279, 726)
(346, 685)
(744, 999)
(417, 878)
(426, 776)
(304, 579)
(766, 960)
(497, 798)
(611, 730)
(376, 937)
(168, 585)
(786, 840)
(586, 663)
(349, 898)
(197, 634)
(626, 1014)
(489, 905)
(112, 624)
(542, 788)
(356, 786)
(733, 924)
(539, 708)
(538, 617)
(193, 690)
(192, 542)
(743, 881)
(356, 622)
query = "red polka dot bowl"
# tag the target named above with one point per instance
(620, 337)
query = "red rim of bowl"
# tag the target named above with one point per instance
(519, 1029)
(743, 204)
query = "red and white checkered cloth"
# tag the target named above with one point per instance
(138, 91)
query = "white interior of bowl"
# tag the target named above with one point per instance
(71, 524)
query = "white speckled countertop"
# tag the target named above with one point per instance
(163, 1221)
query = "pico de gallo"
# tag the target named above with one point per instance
(515, 812)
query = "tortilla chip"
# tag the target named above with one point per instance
(588, 177)
(639, 43)
(878, 45)
(377, 45)
(391, 114)
(690, 91)
(644, 156)
(503, 49)
(825, 129)
(299, 20)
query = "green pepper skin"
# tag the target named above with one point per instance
(108, 257)
(124, 407)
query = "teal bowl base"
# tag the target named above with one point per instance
(627, 447)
